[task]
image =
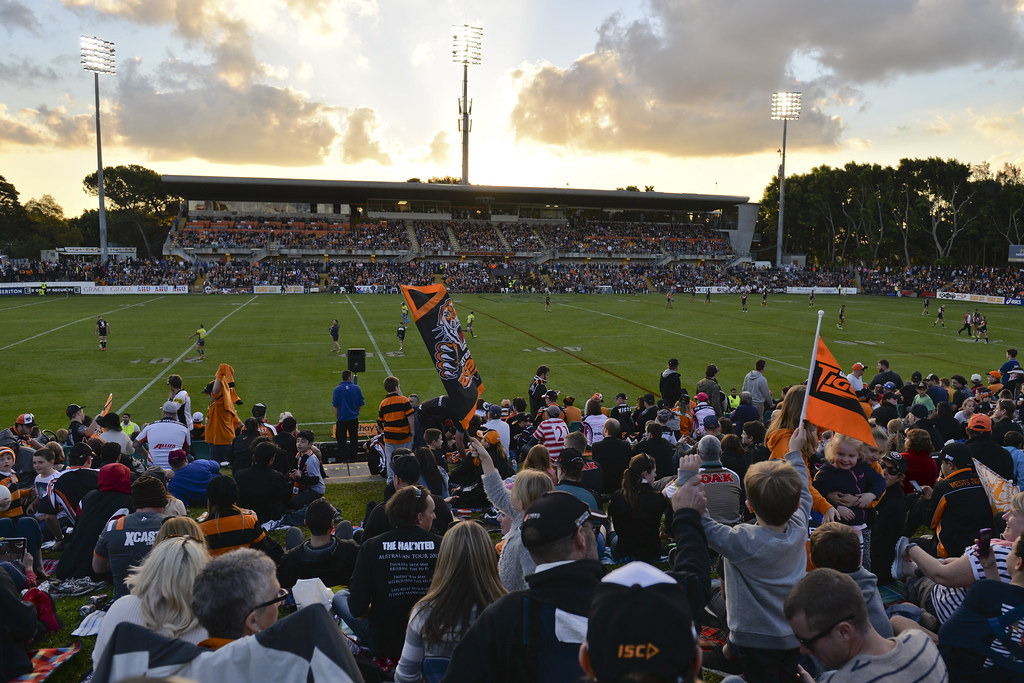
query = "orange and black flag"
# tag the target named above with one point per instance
(831, 403)
(434, 314)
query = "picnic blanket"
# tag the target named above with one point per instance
(46, 660)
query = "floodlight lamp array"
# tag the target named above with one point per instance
(98, 55)
(786, 106)
(467, 44)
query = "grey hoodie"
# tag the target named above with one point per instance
(757, 385)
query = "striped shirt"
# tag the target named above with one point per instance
(18, 495)
(224, 534)
(945, 600)
(551, 433)
(393, 418)
(915, 658)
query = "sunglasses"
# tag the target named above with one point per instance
(892, 471)
(809, 642)
(282, 594)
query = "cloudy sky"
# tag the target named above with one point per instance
(584, 93)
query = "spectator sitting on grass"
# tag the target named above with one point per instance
(330, 558)
(836, 546)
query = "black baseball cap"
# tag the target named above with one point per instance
(640, 623)
(553, 516)
(957, 454)
(74, 408)
(622, 395)
(896, 460)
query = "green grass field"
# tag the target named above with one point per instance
(280, 348)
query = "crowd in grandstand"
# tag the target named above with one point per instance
(597, 238)
(478, 237)
(481, 276)
(433, 237)
(1005, 281)
(574, 491)
(521, 237)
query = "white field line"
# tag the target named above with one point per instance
(167, 368)
(751, 354)
(34, 303)
(75, 322)
(370, 335)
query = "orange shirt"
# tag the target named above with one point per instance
(778, 442)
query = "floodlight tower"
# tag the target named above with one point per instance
(785, 108)
(98, 57)
(467, 42)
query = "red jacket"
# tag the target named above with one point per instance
(920, 468)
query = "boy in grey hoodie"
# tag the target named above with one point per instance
(757, 385)
(763, 562)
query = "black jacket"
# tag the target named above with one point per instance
(957, 509)
(659, 449)
(493, 648)
(884, 413)
(624, 414)
(333, 563)
(613, 456)
(639, 528)
(670, 387)
(992, 455)
(999, 429)
(393, 571)
(241, 453)
(263, 490)
(890, 520)
(97, 508)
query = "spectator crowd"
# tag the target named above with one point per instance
(913, 570)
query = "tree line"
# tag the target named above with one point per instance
(139, 214)
(922, 212)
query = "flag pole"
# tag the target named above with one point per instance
(810, 372)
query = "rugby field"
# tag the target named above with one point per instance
(280, 348)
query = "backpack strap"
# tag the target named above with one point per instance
(998, 625)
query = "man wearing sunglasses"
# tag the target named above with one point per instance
(836, 630)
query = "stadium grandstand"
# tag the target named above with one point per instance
(344, 220)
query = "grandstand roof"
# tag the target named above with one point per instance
(358, 192)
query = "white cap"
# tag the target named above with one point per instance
(5, 498)
(197, 416)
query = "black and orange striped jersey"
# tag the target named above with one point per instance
(224, 534)
(393, 417)
(19, 496)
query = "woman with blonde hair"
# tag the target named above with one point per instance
(465, 582)
(784, 422)
(177, 527)
(161, 593)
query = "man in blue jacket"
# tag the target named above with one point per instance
(348, 399)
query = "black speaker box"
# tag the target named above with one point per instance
(357, 360)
